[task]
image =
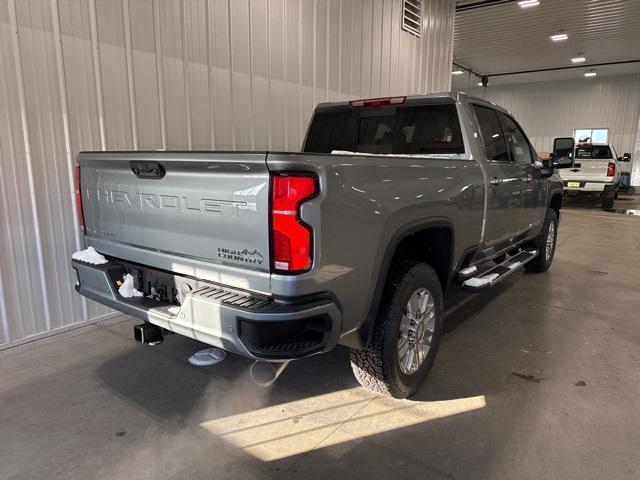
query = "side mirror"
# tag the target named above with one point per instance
(546, 172)
(562, 162)
(626, 157)
(563, 147)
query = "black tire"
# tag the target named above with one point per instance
(608, 200)
(377, 367)
(542, 262)
(609, 196)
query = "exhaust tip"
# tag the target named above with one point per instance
(265, 374)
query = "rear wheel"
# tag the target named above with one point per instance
(609, 197)
(545, 243)
(407, 333)
(608, 201)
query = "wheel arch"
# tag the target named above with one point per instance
(437, 233)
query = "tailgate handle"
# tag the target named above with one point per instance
(147, 169)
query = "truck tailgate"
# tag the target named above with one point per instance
(587, 170)
(207, 207)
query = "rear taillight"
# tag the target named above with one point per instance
(291, 238)
(611, 169)
(377, 102)
(78, 195)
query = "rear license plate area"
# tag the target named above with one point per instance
(160, 285)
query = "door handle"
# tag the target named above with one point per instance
(527, 178)
(495, 181)
(147, 169)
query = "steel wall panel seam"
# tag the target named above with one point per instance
(268, 25)
(11, 159)
(59, 262)
(97, 72)
(252, 128)
(157, 40)
(186, 76)
(232, 114)
(126, 19)
(212, 129)
(29, 160)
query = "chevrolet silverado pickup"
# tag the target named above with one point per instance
(595, 170)
(353, 241)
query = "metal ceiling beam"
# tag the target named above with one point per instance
(467, 69)
(551, 69)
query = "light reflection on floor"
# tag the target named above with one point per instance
(624, 211)
(283, 430)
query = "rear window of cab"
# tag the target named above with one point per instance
(593, 152)
(421, 129)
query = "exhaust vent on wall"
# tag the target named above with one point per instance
(412, 16)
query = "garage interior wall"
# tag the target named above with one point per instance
(635, 172)
(193, 74)
(554, 109)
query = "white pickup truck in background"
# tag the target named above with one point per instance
(595, 171)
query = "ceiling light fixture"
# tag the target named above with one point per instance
(457, 72)
(559, 37)
(528, 3)
(578, 59)
(590, 73)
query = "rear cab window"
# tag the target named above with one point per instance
(593, 152)
(403, 130)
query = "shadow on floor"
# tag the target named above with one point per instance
(181, 397)
(595, 203)
(151, 379)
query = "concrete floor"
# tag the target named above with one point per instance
(538, 378)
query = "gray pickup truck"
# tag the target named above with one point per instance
(354, 241)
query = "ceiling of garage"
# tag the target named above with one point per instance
(504, 37)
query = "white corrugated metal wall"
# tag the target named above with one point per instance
(192, 74)
(553, 109)
(635, 172)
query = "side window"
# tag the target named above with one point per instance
(519, 147)
(492, 136)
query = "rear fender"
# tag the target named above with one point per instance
(359, 338)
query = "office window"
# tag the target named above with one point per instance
(598, 136)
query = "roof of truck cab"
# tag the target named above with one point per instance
(454, 96)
